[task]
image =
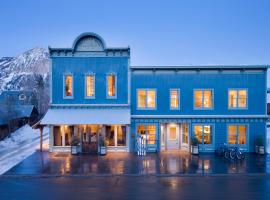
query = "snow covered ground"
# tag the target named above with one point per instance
(22, 143)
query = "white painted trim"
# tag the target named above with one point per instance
(237, 107)
(89, 105)
(204, 108)
(199, 116)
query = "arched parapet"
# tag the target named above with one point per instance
(89, 45)
(89, 42)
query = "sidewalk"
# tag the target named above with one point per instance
(172, 163)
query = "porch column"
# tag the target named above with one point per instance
(51, 139)
(41, 138)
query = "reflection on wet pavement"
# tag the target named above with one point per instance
(171, 162)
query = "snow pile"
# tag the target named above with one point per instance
(22, 143)
(19, 136)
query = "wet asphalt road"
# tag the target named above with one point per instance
(136, 187)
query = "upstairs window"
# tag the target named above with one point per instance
(146, 98)
(90, 86)
(238, 98)
(111, 86)
(203, 99)
(68, 81)
(174, 98)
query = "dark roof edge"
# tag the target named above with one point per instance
(203, 67)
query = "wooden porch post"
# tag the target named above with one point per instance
(41, 138)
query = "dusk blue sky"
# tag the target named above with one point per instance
(183, 32)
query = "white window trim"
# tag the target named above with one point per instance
(237, 107)
(179, 96)
(146, 108)
(64, 84)
(247, 134)
(85, 85)
(115, 96)
(203, 108)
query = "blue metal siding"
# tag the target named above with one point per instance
(78, 67)
(220, 83)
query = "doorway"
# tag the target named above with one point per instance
(173, 142)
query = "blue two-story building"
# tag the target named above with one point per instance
(96, 94)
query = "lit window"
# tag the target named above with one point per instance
(172, 133)
(90, 85)
(146, 98)
(238, 98)
(115, 135)
(148, 132)
(203, 99)
(68, 86)
(203, 133)
(237, 134)
(174, 98)
(111, 85)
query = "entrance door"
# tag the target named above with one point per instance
(172, 137)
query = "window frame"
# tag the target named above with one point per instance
(237, 107)
(237, 126)
(179, 96)
(146, 133)
(107, 85)
(213, 134)
(203, 108)
(146, 90)
(85, 85)
(64, 85)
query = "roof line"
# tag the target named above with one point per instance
(199, 66)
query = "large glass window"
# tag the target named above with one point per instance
(68, 81)
(237, 134)
(174, 98)
(148, 132)
(203, 99)
(111, 85)
(203, 133)
(116, 135)
(90, 85)
(146, 98)
(237, 98)
(62, 135)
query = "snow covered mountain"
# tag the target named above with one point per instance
(19, 73)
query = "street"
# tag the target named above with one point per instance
(136, 187)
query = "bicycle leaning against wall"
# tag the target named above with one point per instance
(230, 153)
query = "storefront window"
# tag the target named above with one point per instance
(116, 135)
(110, 140)
(121, 135)
(148, 132)
(90, 86)
(237, 134)
(68, 85)
(62, 135)
(111, 85)
(57, 137)
(203, 99)
(203, 133)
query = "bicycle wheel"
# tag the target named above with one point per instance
(227, 156)
(232, 154)
(239, 155)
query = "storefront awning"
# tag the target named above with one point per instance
(86, 116)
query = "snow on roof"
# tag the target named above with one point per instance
(86, 116)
